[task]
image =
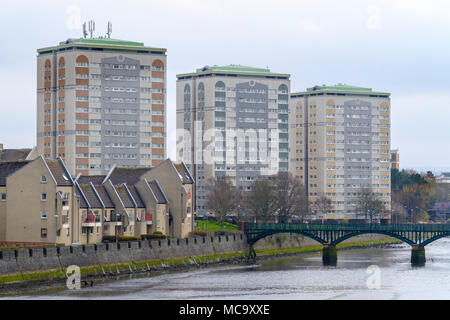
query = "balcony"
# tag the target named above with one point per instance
(147, 218)
(65, 221)
(90, 219)
(114, 218)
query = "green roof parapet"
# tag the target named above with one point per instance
(103, 43)
(340, 89)
(234, 69)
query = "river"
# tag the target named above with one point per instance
(294, 277)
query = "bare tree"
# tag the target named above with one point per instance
(399, 213)
(222, 199)
(322, 204)
(290, 198)
(259, 200)
(369, 204)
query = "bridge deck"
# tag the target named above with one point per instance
(419, 234)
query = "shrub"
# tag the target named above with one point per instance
(154, 236)
(198, 233)
(201, 233)
(121, 238)
(227, 232)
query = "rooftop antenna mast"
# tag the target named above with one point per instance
(84, 30)
(109, 29)
(91, 27)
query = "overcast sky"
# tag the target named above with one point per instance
(396, 46)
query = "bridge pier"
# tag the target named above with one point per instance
(418, 255)
(251, 252)
(329, 255)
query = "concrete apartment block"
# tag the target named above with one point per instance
(232, 121)
(340, 142)
(100, 102)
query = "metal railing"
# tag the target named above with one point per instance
(248, 226)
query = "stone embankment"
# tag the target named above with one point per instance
(24, 269)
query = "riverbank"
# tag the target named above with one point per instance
(55, 280)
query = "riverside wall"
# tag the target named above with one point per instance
(25, 260)
(29, 260)
(292, 240)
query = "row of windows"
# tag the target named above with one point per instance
(117, 133)
(118, 144)
(114, 89)
(364, 108)
(117, 111)
(355, 133)
(220, 87)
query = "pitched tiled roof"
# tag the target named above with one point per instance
(90, 196)
(14, 154)
(83, 203)
(184, 173)
(96, 180)
(157, 191)
(7, 168)
(130, 176)
(101, 190)
(61, 177)
(123, 194)
(136, 196)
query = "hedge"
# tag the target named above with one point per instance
(121, 238)
(154, 236)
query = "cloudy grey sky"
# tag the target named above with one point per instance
(397, 46)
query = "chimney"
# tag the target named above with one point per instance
(1, 146)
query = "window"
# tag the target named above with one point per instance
(43, 214)
(3, 197)
(43, 179)
(43, 232)
(43, 196)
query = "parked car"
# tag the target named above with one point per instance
(200, 217)
(232, 219)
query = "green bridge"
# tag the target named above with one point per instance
(329, 235)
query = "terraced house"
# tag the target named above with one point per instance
(41, 202)
(232, 121)
(101, 101)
